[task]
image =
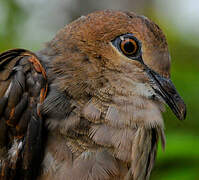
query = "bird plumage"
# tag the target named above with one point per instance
(98, 109)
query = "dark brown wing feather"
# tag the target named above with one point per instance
(23, 87)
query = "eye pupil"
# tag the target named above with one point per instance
(129, 47)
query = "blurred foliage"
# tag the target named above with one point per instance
(14, 16)
(180, 161)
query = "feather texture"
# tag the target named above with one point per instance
(81, 108)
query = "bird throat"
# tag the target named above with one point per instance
(111, 115)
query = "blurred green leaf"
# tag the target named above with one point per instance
(180, 159)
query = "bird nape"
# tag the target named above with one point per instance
(88, 106)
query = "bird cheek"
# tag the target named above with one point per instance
(157, 60)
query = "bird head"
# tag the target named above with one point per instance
(126, 51)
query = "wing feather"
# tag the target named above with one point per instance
(23, 87)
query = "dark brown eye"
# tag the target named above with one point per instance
(129, 47)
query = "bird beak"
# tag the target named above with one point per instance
(165, 88)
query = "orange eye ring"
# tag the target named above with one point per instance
(129, 46)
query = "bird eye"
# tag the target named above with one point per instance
(129, 47)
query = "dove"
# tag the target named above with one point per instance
(88, 106)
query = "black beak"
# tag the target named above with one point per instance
(165, 88)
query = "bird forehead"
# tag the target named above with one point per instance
(104, 26)
(107, 25)
(95, 31)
